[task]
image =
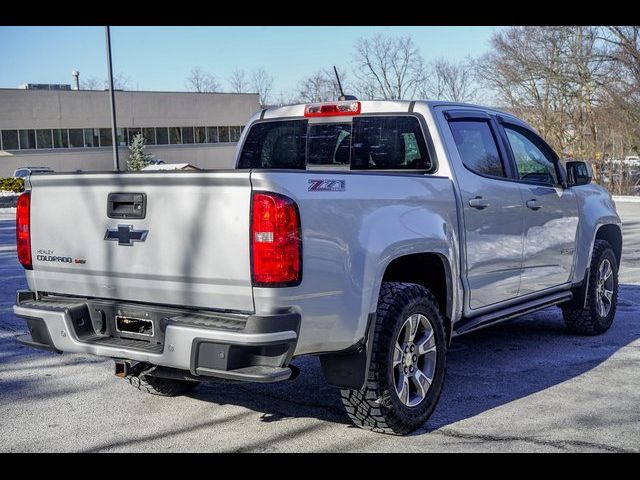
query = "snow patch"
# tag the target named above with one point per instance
(626, 198)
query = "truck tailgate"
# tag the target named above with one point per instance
(195, 252)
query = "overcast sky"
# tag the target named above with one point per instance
(160, 58)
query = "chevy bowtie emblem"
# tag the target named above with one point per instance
(126, 235)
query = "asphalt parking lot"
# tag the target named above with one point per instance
(525, 385)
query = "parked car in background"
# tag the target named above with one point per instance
(24, 172)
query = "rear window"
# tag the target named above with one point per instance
(275, 145)
(365, 143)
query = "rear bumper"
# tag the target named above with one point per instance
(260, 351)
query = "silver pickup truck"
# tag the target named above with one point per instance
(368, 233)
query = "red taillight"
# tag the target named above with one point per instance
(23, 230)
(332, 109)
(275, 241)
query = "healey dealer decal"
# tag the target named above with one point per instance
(48, 256)
(326, 185)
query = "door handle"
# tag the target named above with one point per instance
(479, 203)
(534, 204)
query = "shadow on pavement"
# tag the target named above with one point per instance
(485, 369)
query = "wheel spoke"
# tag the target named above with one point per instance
(426, 344)
(402, 389)
(397, 354)
(601, 307)
(607, 273)
(607, 294)
(412, 327)
(422, 383)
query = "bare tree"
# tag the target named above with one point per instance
(282, 99)
(92, 83)
(200, 80)
(238, 81)
(447, 80)
(388, 67)
(561, 80)
(262, 83)
(322, 86)
(622, 51)
(120, 82)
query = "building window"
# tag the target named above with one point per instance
(212, 135)
(174, 135)
(105, 137)
(149, 136)
(162, 136)
(200, 134)
(132, 133)
(91, 137)
(10, 140)
(60, 138)
(223, 134)
(187, 134)
(44, 138)
(76, 139)
(123, 140)
(27, 139)
(235, 133)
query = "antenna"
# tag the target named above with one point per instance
(342, 97)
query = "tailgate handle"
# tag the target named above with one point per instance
(126, 205)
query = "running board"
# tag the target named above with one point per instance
(481, 321)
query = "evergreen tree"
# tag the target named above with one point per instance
(138, 158)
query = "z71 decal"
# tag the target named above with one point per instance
(324, 185)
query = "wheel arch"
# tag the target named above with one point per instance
(429, 269)
(612, 233)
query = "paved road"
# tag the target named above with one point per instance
(520, 386)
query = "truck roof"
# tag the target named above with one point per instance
(376, 106)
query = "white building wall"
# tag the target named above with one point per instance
(39, 109)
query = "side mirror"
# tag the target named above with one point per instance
(578, 173)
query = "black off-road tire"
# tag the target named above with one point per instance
(165, 387)
(376, 406)
(587, 320)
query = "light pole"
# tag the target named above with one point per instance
(114, 137)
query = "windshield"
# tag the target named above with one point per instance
(366, 143)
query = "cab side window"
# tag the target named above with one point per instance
(534, 162)
(477, 147)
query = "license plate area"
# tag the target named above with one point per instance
(140, 327)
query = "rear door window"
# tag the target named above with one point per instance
(477, 147)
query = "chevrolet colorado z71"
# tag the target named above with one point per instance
(366, 233)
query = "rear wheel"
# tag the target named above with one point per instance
(597, 315)
(407, 367)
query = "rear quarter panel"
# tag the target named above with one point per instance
(349, 238)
